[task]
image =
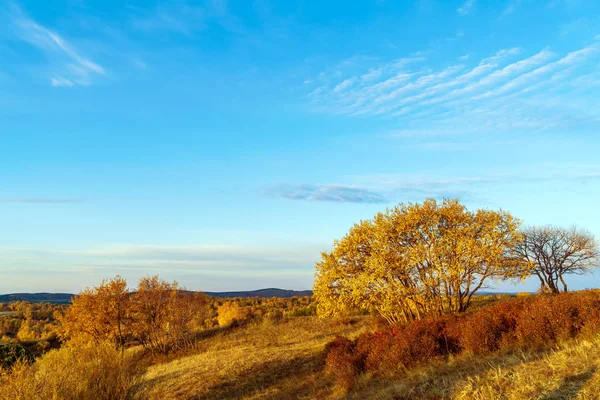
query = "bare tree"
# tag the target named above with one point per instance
(551, 252)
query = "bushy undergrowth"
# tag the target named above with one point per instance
(83, 373)
(522, 323)
(11, 353)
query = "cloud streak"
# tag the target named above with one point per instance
(507, 90)
(68, 67)
(328, 193)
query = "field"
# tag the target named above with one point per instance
(244, 364)
(280, 350)
(261, 361)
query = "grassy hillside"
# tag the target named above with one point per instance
(248, 364)
(267, 360)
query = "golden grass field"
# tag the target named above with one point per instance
(285, 361)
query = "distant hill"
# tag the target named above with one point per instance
(55, 298)
(65, 298)
(271, 292)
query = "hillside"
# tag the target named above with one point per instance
(245, 364)
(523, 347)
(65, 298)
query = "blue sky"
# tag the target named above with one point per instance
(226, 144)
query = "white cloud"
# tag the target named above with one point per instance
(507, 90)
(60, 81)
(330, 193)
(467, 7)
(68, 67)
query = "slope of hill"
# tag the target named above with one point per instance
(247, 364)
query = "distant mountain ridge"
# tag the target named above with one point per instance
(56, 298)
(267, 293)
(65, 298)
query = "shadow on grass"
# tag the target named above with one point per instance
(438, 379)
(571, 386)
(290, 379)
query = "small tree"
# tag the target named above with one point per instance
(552, 252)
(98, 314)
(416, 260)
(164, 315)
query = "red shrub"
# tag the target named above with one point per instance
(533, 321)
(403, 347)
(488, 329)
(551, 319)
(343, 362)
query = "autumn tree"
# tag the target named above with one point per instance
(98, 314)
(416, 260)
(552, 252)
(164, 315)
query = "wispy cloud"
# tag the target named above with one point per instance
(68, 67)
(506, 90)
(332, 192)
(401, 187)
(185, 18)
(467, 7)
(202, 266)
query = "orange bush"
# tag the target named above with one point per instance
(343, 362)
(525, 322)
(488, 329)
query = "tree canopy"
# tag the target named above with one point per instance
(415, 260)
(158, 314)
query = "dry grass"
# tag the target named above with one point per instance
(570, 371)
(245, 363)
(269, 360)
(84, 373)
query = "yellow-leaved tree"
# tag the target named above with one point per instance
(416, 260)
(98, 314)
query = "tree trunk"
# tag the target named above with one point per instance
(563, 283)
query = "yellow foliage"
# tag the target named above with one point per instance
(231, 312)
(98, 372)
(416, 260)
(26, 332)
(97, 314)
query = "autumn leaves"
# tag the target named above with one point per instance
(422, 259)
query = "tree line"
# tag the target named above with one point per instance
(430, 258)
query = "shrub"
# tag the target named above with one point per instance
(552, 319)
(342, 362)
(70, 373)
(230, 312)
(11, 353)
(489, 329)
(403, 347)
(525, 322)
